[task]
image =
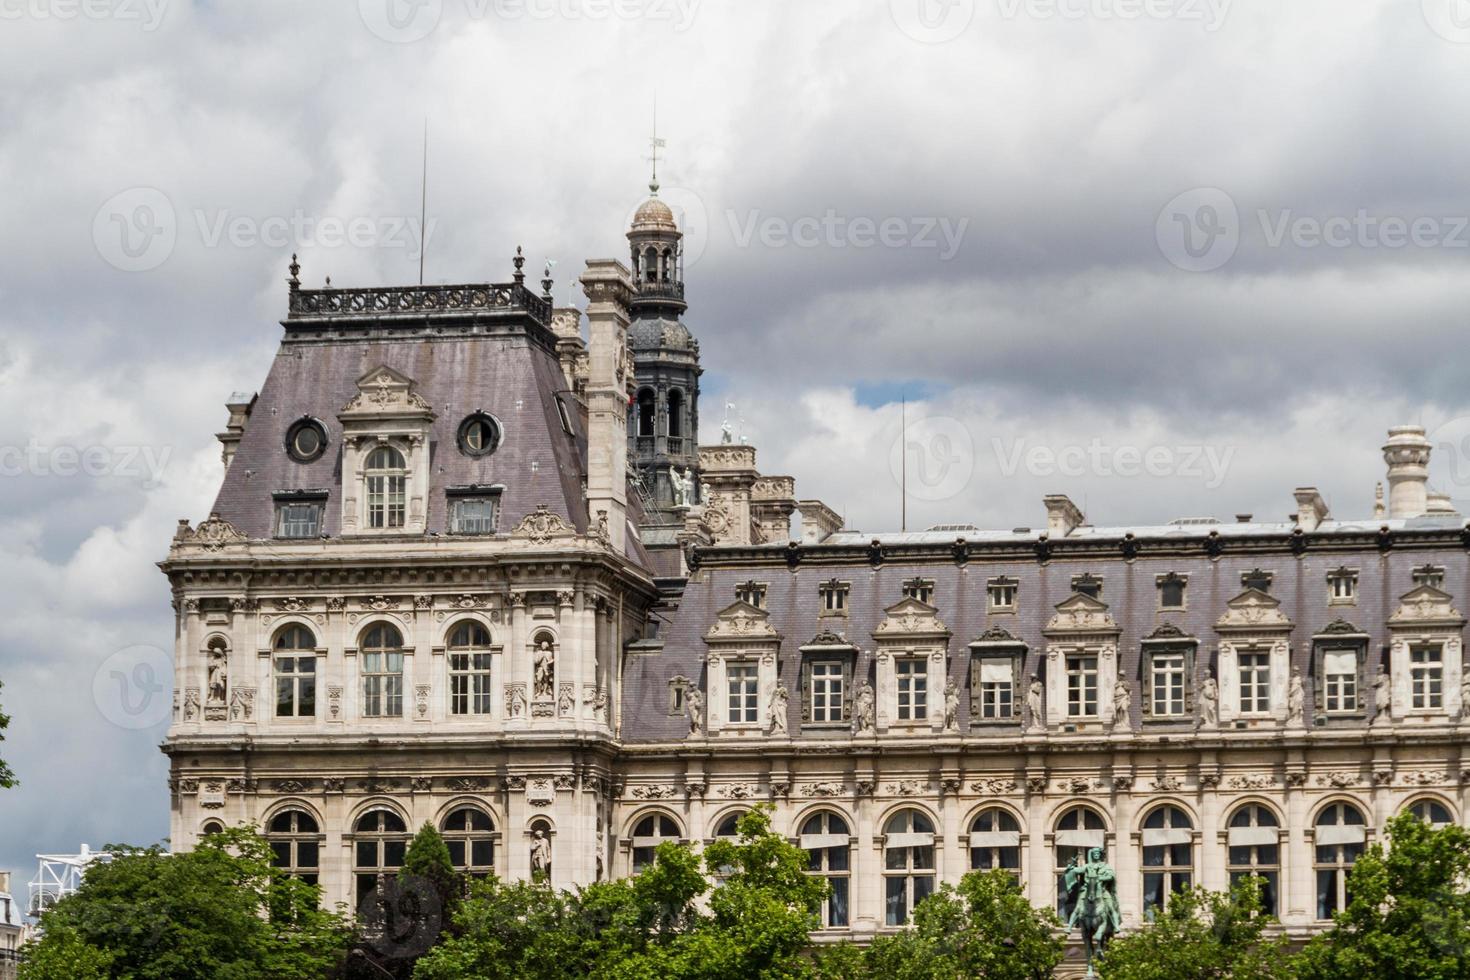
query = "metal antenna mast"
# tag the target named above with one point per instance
(424, 201)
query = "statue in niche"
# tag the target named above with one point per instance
(780, 697)
(694, 708)
(864, 712)
(951, 706)
(1122, 704)
(1037, 720)
(1209, 703)
(219, 680)
(1296, 700)
(1382, 697)
(1465, 692)
(540, 855)
(545, 669)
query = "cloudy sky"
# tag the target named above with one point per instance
(1225, 237)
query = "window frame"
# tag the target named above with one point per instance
(386, 844)
(911, 682)
(1168, 580)
(1003, 821)
(1083, 816)
(295, 677)
(471, 681)
(283, 501)
(464, 839)
(994, 589)
(1343, 855)
(996, 647)
(916, 880)
(385, 694)
(1268, 867)
(820, 857)
(1074, 666)
(1426, 682)
(293, 837)
(748, 671)
(385, 490)
(1337, 578)
(1173, 875)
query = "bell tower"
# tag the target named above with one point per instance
(663, 421)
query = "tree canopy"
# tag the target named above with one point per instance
(1204, 934)
(218, 912)
(7, 777)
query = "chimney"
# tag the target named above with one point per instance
(566, 323)
(1407, 455)
(609, 290)
(1062, 516)
(1311, 509)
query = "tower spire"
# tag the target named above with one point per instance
(656, 144)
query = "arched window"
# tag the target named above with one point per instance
(295, 844)
(646, 409)
(1340, 836)
(1079, 828)
(828, 844)
(470, 835)
(211, 827)
(1432, 812)
(676, 414)
(382, 672)
(650, 264)
(379, 842)
(908, 864)
(1168, 856)
(469, 669)
(648, 834)
(995, 842)
(295, 666)
(1254, 840)
(386, 478)
(729, 826)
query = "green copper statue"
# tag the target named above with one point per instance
(1092, 887)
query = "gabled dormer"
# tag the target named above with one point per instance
(385, 456)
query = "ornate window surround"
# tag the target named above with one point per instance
(1337, 636)
(742, 633)
(911, 629)
(997, 644)
(1253, 623)
(385, 412)
(1167, 639)
(1081, 625)
(1425, 616)
(824, 647)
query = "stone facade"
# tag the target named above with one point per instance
(431, 592)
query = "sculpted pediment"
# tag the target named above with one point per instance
(1081, 613)
(384, 391)
(1426, 606)
(910, 618)
(742, 621)
(1253, 610)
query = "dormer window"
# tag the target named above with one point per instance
(1430, 575)
(479, 435)
(921, 589)
(299, 515)
(1257, 579)
(1342, 587)
(1000, 594)
(834, 597)
(1171, 590)
(306, 440)
(474, 511)
(1087, 584)
(385, 480)
(752, 593)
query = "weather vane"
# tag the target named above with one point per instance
(656, 144)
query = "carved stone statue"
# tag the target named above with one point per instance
(1209, 704)
(1465, 692)
(694, 708)
(540, 854)
(687, 482)
(727, 432)
(219, 679)
(1382, 698)
(1122, 704)
(1296, 700)
(951, 706)
(864, 709)
(545, 670)
(1092, 887)
(1037, 720)
(780, 698)
(676, 484)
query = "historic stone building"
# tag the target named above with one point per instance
(469, 568)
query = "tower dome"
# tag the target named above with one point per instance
(655, 216)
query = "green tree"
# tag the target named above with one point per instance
(983, 928)
(1408, 912)
(220, 912)
(7, 778)
(1204, 934)
(652, 926)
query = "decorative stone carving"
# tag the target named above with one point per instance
(694, 707)
(1079, 785)
(823, 790)
(743, 621)
(212, 796)
(540, 791)
(214, 534)
(541, 527)
(191, 703)
(1251, 780)
(994, 786)
(242, 704)
(385, 390)
(421, 784)
(950, 785)
(1080, 613)
(1036, 784)
(865, 787)
(334, 701)
(651, 792)
(865, 709)
(1253, 610)
(1168, 784)
(1337, 780)
(779, 706)
(1296, 779)
(336, 604)
(467, 784)
(334, 785)
(377, 785)
(421, 700)
(738, 791)
(291, 785)
(566, 703)
(514, 784)
(380, 603)
(906, 787)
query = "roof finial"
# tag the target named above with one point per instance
(519, 261)
(295, 280)
(656, 144)
(546, 280)
(329, 282)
